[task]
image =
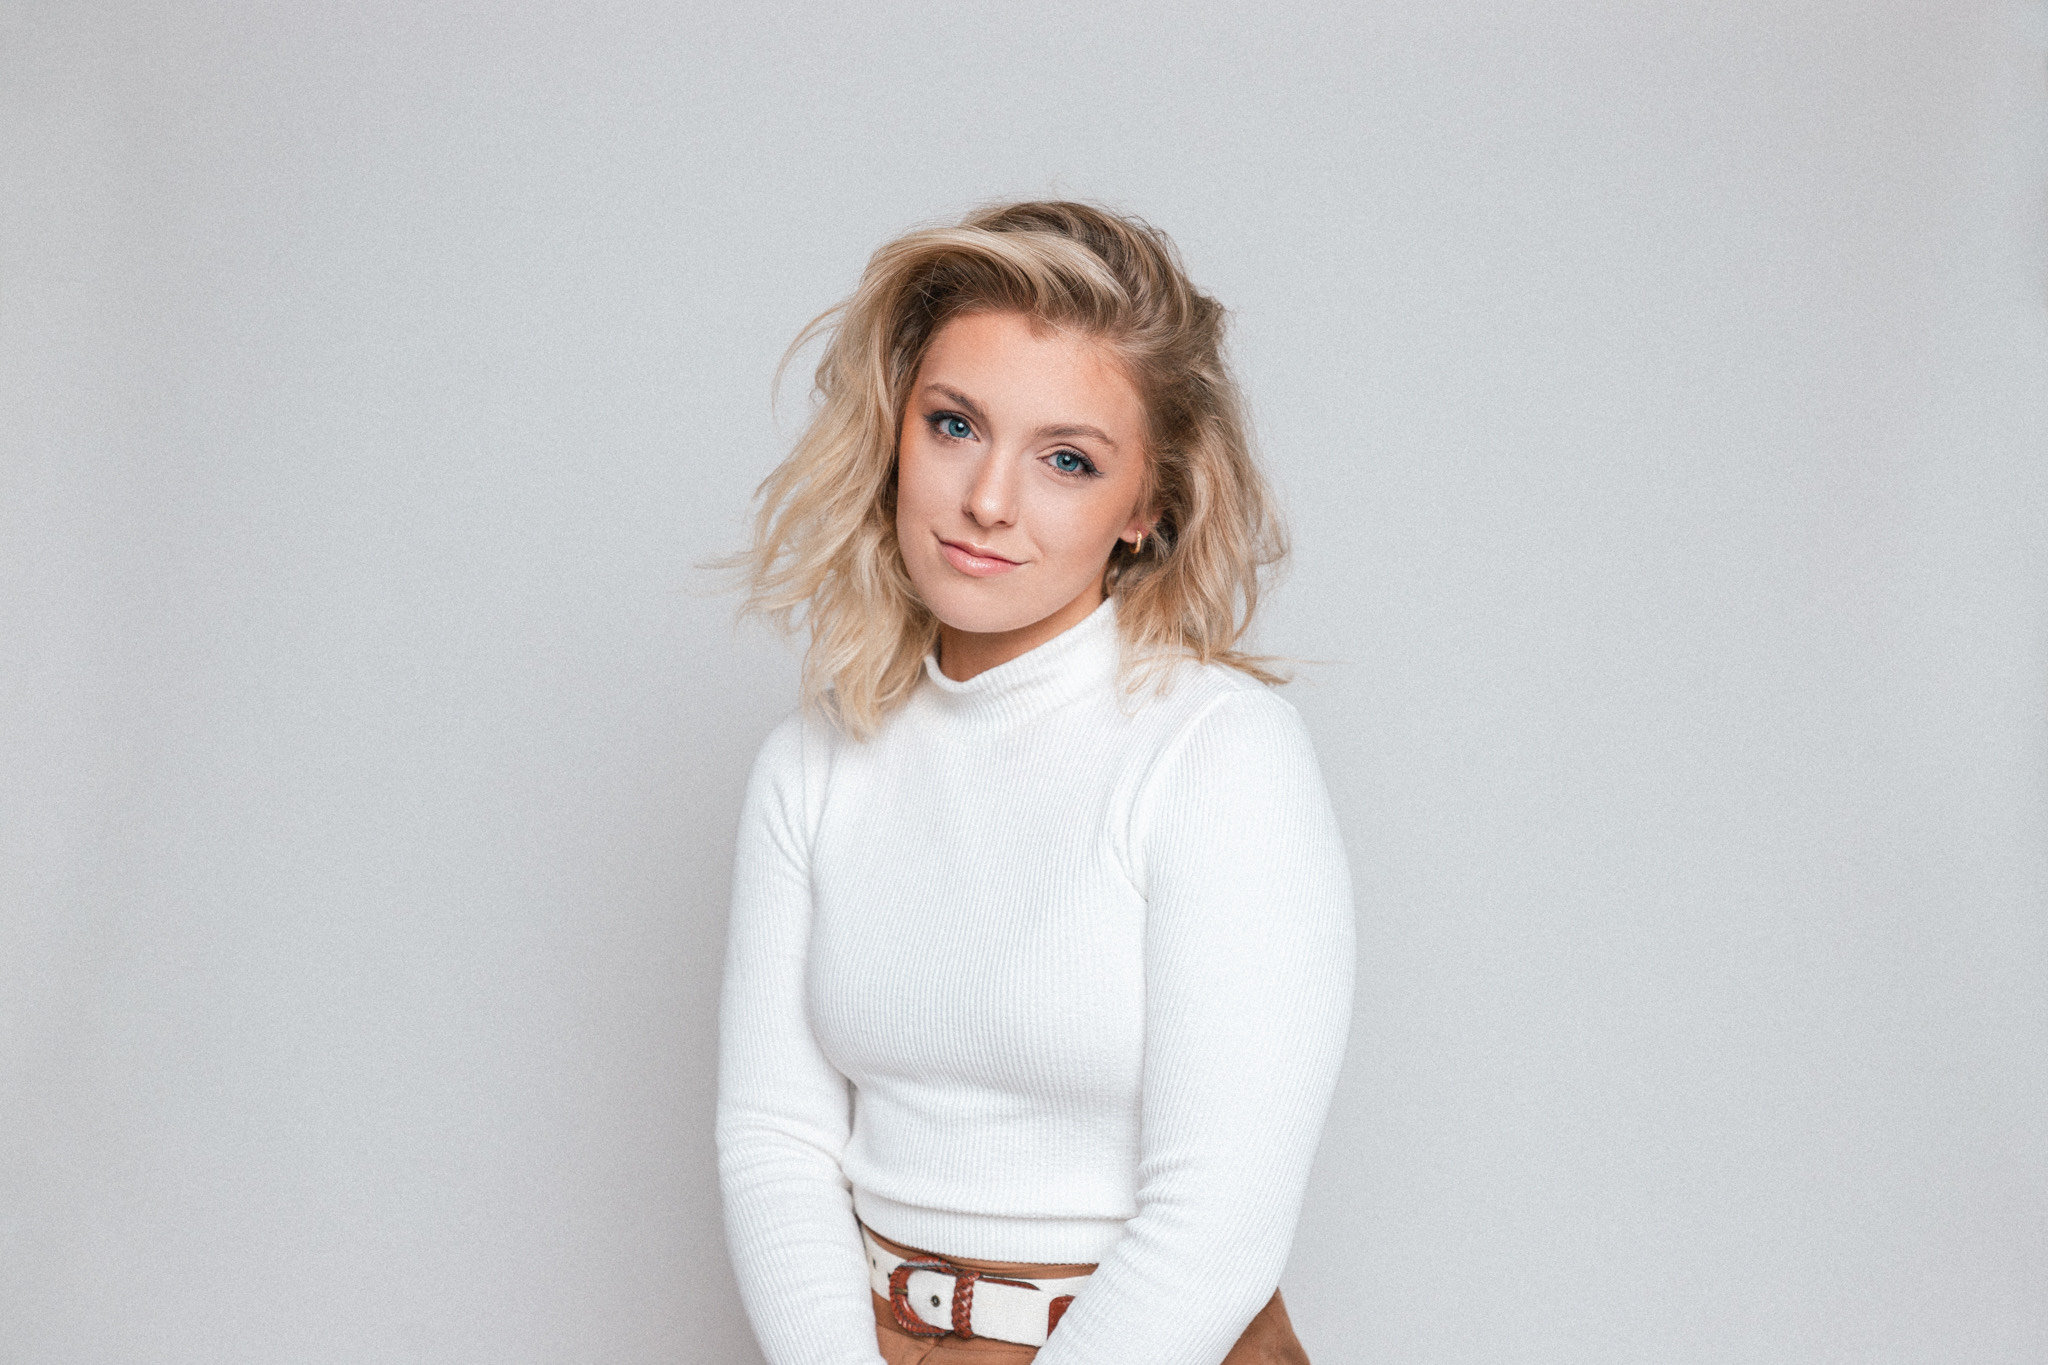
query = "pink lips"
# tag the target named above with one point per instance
(975, 561)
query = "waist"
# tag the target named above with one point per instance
(921, 1294)
(1031, 1229)
(1022, 1270)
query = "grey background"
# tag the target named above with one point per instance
(1658, 394)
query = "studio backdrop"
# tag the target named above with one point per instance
(1659, 396)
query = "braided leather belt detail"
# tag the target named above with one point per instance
(931, 1297)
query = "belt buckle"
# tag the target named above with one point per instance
(899, 1296)
(964, 1281)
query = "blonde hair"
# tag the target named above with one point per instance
(824, 544)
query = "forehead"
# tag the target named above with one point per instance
(1014, 362)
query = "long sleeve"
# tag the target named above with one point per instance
(1248, 978)
(784, 1112)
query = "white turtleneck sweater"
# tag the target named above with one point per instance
(1041, 971)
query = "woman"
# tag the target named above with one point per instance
(1041, 947)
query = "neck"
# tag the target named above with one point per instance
(964, 653)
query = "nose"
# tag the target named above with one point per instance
(992, 497)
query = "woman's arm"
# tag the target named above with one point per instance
(784, 1112)
(1248, 974)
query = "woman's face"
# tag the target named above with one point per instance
(1020, 465)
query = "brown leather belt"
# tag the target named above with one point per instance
(931, 1297)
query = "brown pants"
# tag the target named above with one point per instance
(1269, 1340)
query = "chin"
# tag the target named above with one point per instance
(960, 606)
(985, 618)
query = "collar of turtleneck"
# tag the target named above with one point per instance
(1079, 659)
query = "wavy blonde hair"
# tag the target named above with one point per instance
(824, 549)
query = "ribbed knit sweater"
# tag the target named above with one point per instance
(1043, 970)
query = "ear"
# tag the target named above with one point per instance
(1145, 515)
(1143, 519)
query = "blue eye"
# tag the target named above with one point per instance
(1072, 462)
(952, 424)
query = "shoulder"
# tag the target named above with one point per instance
(1234, 791)
(1218, 739)
(790, 769)
(802, 740)
(779, 763)
(784, 746)
(1211, 702)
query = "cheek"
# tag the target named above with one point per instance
(923, 494)
(1108, 511)
(1077, 533)
(915, 476)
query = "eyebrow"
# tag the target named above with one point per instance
(973, 409)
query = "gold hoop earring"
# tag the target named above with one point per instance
(1138, 545)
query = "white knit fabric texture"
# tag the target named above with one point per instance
(1041, 971)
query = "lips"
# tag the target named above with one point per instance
(974, 560)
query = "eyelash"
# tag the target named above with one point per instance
(1086, 471)
(938, 420)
